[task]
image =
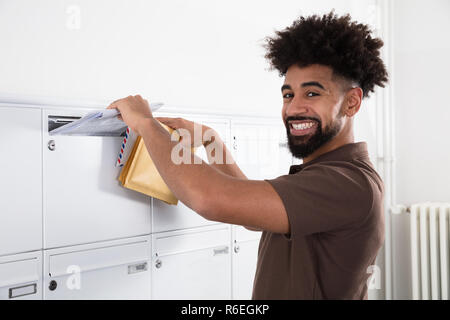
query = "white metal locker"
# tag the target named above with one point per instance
(21, 276)
(261, 151)
(83, 200)
(278, 158)
(192, 264)
(246, 148)
(109, 270)
(260, 148)
(245, 254)
(21, 182)
(169, 217)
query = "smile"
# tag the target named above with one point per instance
(300, 128)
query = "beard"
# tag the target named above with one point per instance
(303, 146)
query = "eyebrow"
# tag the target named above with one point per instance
(303, 85)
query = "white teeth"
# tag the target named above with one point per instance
(302, 126)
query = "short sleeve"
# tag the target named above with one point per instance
(323, 198)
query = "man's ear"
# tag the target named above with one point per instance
(353, 101)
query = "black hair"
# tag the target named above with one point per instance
(347, 47)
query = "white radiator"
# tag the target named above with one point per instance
(430, 251)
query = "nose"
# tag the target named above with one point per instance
(297, 107)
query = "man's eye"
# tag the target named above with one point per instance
(288, 95)
(312, 94)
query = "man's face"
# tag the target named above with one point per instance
(312, 102)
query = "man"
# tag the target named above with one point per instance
(323, 222)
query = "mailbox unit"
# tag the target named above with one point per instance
(106, 270)
(83, 200)
(80, 235)
(192, 264)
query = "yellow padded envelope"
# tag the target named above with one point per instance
(140, 174)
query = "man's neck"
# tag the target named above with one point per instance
(335, 143)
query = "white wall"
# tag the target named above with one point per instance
(421, 86)
(197, 53)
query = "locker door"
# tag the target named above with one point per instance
(83, 200)
(168, 217)
(246, 148)
(244, 256)
(278, 159)
(260, 148)
(21, 182)
(21, 276)
(109, 270)
(192, 264)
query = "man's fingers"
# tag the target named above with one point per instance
(113, 104)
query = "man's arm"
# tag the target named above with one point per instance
(228, 165)
(212, 193)
(211, 140)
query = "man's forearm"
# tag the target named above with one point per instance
(189, 182)
(210, 193)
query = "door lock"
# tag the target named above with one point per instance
(53, 285)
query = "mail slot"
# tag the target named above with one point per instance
(59, 121)
(96, 123)
(83, 201)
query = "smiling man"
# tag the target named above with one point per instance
(322, 222)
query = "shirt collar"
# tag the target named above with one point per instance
(345, 152)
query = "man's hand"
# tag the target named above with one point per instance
(196, 130)
(133, 110)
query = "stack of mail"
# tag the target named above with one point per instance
(98, 123)
(140, 174)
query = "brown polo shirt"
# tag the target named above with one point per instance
(334, 205)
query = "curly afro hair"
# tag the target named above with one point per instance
(345, 46)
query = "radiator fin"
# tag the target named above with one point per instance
(430, 251)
